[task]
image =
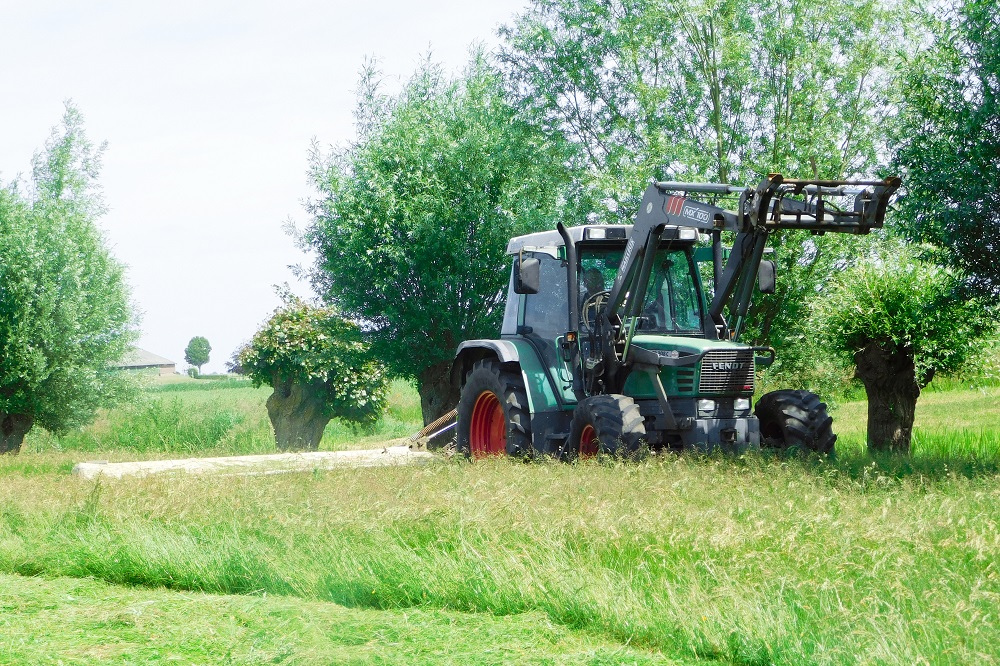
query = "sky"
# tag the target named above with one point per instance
(209, 109)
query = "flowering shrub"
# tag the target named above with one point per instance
(316, 348)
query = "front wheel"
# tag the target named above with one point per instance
(493, 415)
(795, 419)
(605, 424)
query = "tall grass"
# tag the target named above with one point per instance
(215, 417)
(748, 561)
(186, 423)
(201, 384)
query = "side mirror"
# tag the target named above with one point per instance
(526, 276)
(766, 276)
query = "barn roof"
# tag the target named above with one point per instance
(140, 358)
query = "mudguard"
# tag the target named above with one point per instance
(541, 394)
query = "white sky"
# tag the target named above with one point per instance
(208, 109)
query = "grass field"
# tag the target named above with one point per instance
(673, 560)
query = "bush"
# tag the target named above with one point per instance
(319, 367)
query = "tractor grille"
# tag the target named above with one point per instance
(729, 371)
(685, 380)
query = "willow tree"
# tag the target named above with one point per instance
(65, 314)
(319, 368)
(901, 320)
(412, 220)
(948, 141)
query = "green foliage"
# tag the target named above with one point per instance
(706, 89)
(900, 302)
(233, 365)
(65, 315)
(413, 219)
(310, 345)
(949, 141)
(197, 352)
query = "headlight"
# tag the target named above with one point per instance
(706, 406)
(741, 404)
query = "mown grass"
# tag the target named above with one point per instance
(100, 624)
(750, 560)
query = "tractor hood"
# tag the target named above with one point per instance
(715, 367)
(684, 345)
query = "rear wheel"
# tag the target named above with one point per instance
(795, 419)
(605, 424)
(493, 416)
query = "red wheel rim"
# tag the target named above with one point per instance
(588, 442)
(487, 427)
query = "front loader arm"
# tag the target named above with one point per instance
(659, 210)
(813, 205)
(776, 203)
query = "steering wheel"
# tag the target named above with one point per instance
(590, 308)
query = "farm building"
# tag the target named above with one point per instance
(143, 361)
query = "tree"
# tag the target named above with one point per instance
(197, 352)
(319, 367)
(65, 314)
(716, 90)
(949, 142)
(413, 219)
(234, 365)
(902, 320)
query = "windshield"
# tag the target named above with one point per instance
(672, 303)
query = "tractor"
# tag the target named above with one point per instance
(609, 343)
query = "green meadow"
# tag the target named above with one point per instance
(672, 560)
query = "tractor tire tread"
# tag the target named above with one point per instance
(508, 386)
(617, 423)
(794, 418)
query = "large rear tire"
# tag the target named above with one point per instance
(493, 414)
(605, 424)
(795, 419)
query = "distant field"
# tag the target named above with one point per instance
(186, 417)
(674, 560)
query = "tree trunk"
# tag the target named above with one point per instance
(437, 395)
(298, 415)
(13, 428)
(890, 381)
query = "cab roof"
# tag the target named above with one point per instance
(552, 239)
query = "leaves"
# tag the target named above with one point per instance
(904, 305)
(305, 344)
(412, 222)
(721, 91)
(716, 90)
(949, 142)
(65, 314)
(197, 351)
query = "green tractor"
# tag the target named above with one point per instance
(609, 343)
